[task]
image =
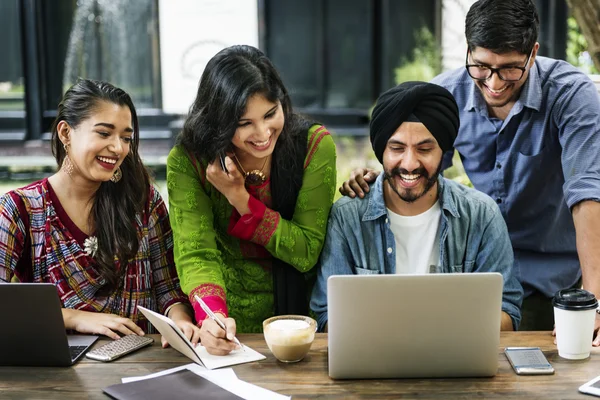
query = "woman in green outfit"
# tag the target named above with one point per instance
(250, 187)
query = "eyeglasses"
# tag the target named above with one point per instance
(483, 72)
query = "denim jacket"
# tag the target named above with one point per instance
(473, 238)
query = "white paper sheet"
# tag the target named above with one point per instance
(247, 390)
(179, 342)
(224, 374)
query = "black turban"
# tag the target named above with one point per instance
(423, 102)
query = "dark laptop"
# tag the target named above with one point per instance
(33, 331)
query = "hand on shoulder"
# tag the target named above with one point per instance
(359, 181)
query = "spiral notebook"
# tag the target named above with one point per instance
(198, 354)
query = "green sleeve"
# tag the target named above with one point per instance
(299, 242)
(197, 258)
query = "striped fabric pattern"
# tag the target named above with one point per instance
(55, 255)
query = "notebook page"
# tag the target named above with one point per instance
(177, 339)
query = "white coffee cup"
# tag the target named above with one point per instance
(289, 337)
(574, 316)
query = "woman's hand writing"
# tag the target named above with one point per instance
(216, 340)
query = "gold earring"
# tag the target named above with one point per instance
(67, 165)
(116, 176)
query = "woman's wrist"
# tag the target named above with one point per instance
(69, 315)
(240, 202)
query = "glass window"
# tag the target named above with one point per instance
(403, 19)
(293, 44)
(110, 40)
(350, 54)
(11, 67)
(338, 55)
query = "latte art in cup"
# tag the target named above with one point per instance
(289, 337)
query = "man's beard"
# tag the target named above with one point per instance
(410, 195)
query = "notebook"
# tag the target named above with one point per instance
(33, 329)
(198, 354)
(409, 326)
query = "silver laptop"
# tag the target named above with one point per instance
(409, 326)
(33, 331)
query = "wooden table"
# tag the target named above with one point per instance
(309, 379)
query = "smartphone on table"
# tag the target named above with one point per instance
(528, 361)
(592, 387)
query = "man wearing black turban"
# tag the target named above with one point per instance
(430, 105)
(423, 102)
(412, 220)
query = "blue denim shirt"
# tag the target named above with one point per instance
(473, 238)
(537, 164)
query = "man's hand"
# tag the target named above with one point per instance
(99, 323)
(596, 342)
(181, 314)
(358, 182)
(215, 339)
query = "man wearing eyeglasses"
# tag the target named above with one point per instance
(530, 139)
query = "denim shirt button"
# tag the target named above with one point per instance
(390, 250)
(386, 220)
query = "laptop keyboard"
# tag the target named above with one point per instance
(76, 351)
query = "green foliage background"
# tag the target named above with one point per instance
(577, 48)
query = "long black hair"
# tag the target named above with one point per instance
(230, 78)
(115, 205)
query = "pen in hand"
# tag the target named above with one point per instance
(212, 316)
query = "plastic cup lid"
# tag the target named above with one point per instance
(574, 299)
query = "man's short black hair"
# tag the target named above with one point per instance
(502, 26)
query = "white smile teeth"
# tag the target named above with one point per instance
(410, 178)
(107, 160)
(260, 144)
(498, 91)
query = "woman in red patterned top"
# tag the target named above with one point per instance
(97, 229)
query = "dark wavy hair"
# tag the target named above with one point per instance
(115, 205)
(230, 78)
(502, 26)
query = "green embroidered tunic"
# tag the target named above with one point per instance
(225, 258)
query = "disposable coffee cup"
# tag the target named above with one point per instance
(574, 316)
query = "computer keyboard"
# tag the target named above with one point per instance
(112, 350)
(76, 351)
